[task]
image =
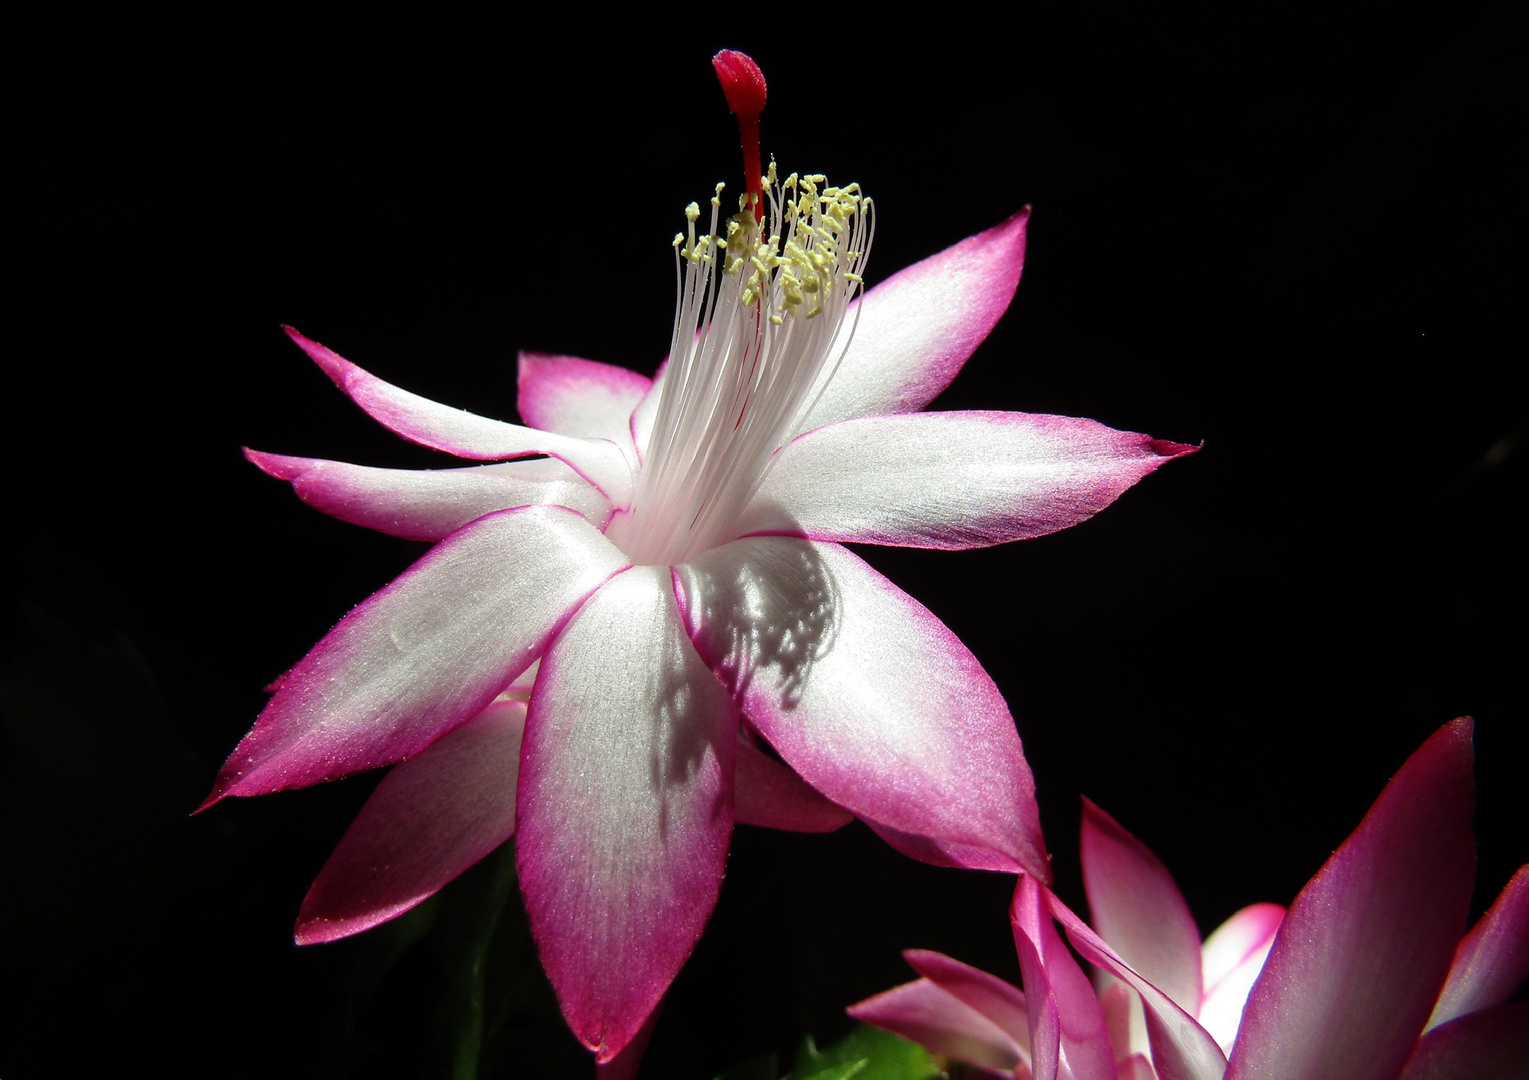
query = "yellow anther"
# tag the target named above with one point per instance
(693, 213)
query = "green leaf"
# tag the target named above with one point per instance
(866, 1053)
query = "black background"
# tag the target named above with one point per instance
(1297, 240)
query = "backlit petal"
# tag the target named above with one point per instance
(466, 434)
(1232, 958)
(950, 480)
(625, 805)
(995, 999)
(429, 504)
(938, 1020)
(1493, 959)
(866, 695)
(426, 653)
(1138, 909)
(1066, 1023)
(431, 818)
(916, 329)
(1181, 1048)
(1366, 945)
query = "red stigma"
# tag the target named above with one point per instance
(743, 84)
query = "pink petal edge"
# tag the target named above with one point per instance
(430, 504)
(934, 1018)
(625, 806)
(431, 818)
(1136, 906)
(1493, 959)
(910, 335)
(950, 480)
(465, 434)
(582, 398)
(424, 654)
(1365, 947)
(866, 695)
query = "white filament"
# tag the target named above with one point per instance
(756, 319)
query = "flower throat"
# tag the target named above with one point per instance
(762, 297)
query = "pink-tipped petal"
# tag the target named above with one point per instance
(950, 480)
(426, 653)
(1181, 1048)
(1237, 940)
(429, 504)
(768, 794)
(582, 398)
(1489, 1045)
(1139, 910)
(995, 999)
(1367, 944)
(866, 695)
(1493, 959)
(625, 806)
(465, 434)
(1233, 956)
(915, 330)
(1068, 1035)
(431, 818)
(938, 1020)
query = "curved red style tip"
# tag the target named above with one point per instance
(743, 84)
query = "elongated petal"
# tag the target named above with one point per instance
(429, 504)
(771, 795)
(625, 805)
(1066, 1023)
(934, 1018)
(1489, 1045)
(1366, 945)
(995, 999)
(1139, 910)
(1493, 959)
(915, 330)
(426, 653)
(950, 480)
(866, 695)
(582, 398)
(1181, 1048)
(430, 819)
(465, 434)
(1232, 957)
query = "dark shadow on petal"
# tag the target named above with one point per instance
(761, 608)
(696, 720)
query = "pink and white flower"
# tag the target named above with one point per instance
(646, 584)
(1366, 977)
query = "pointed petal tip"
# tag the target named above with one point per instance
(314, 929)
(1168, 449)
(280, 466)
(334, 365)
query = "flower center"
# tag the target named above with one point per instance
(756, 338)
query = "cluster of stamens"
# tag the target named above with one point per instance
(759, 328)
(757, 334)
